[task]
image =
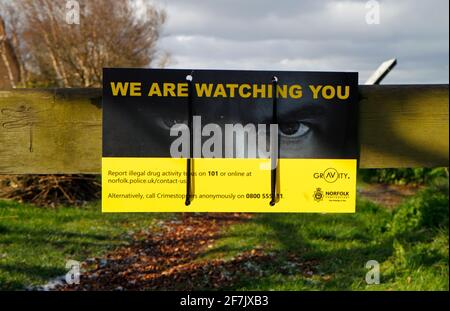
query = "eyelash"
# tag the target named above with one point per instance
(303, 129)
(168, 123)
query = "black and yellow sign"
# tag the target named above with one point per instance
(247, 133)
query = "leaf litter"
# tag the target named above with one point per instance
(169, 259)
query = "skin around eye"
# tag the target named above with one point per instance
(293, 129)
(168, 123)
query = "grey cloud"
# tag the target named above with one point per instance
(310, 35)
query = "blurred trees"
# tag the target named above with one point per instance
(54, 53)
(9, 66)
(47, 51)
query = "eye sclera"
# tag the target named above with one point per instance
(297, 129)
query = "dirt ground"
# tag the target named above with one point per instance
(168, 259)
(387, 195)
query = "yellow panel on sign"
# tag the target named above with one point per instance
(228, 185)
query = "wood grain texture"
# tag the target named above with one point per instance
(403, 126)
(60, 130)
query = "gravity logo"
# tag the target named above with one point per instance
(330, 175)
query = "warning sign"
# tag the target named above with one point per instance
(229, 141)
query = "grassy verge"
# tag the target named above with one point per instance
(35, 243)
(410, 243)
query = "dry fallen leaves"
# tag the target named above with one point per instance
(169, 260)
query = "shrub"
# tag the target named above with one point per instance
(428, 209)
(403, 176)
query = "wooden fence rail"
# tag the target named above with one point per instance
(52, 131)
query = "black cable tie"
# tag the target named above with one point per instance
(274, 153)
(190, 160)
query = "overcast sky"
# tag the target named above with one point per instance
(310, 35)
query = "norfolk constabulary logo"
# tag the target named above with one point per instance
(318, 195)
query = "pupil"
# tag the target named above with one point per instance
(289, 128)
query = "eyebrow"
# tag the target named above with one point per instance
(303, 111)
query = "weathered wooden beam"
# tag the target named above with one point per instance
(60, 130)
(404, 126)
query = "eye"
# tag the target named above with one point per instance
(293, 129)
(171, 122)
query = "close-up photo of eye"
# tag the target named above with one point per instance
(171, 122)
(293, 129)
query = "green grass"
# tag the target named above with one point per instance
(410, 242)
(340, 245)
(35, 243)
